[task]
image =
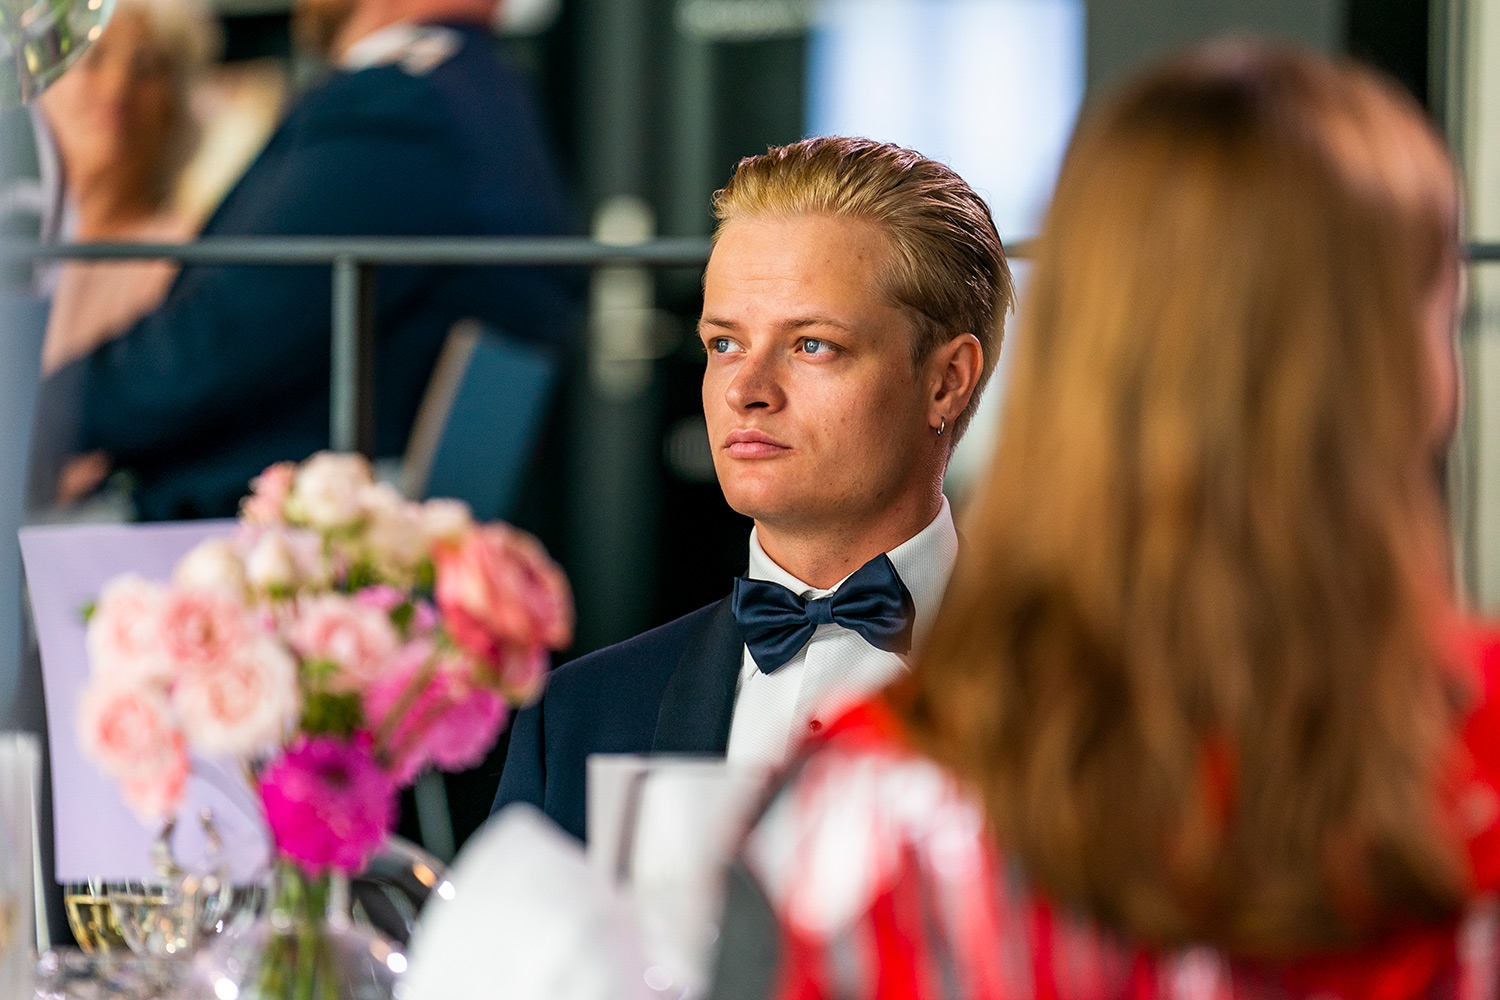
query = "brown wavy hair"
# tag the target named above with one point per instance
(1187, 657)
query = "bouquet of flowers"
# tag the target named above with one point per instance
(339, 642)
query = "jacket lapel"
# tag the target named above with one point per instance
(698, 702)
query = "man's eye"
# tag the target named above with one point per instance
(811, 345)
(720, 345)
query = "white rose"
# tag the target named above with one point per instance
(394, 539)
(271, 563)
(212, 565)
(445, 520)
(326, 492)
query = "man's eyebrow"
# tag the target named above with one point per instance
(816, 319)
(795, 323)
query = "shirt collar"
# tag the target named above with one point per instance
(924, 562)
(380, 46)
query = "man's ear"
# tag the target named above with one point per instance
(954, 371)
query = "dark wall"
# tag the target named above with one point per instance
(1394, 35)
(1125, 34)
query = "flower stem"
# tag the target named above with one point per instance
(409, 696)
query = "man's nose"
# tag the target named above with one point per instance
(756, 383)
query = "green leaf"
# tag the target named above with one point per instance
(361, 575)
(316, 673)
(426, 577)
(87, 611)
(326, 714)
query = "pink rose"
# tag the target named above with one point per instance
(243, 705)
(359, 640)
(523, 674)
(127, 729)
(501, 597)
(382, 597)
(201, 628)
(466, 729)
(451, 724)
(124, 633)
(156, 795)
(382, 695)
(266, 503)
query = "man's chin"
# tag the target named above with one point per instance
(774, 507)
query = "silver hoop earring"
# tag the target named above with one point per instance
(942, 425)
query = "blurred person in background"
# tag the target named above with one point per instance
(123, 127)
(419, 130)
(1198, 680)
(852, 313)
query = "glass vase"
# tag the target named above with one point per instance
(305, 947)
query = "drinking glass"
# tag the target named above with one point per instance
(91, 918)
(40, 39)
(20, 768)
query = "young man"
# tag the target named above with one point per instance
(853, 310)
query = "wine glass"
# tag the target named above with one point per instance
(91, 919)
(40, 39)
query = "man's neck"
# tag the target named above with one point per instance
(821, 555)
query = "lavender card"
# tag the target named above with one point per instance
(96, 834)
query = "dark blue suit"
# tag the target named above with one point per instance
(670, 690)
(231, 373)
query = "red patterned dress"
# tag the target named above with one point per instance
(870, 875)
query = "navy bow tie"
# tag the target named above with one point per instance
(776, 623)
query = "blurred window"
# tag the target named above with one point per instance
(990, 87)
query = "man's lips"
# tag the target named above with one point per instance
(753, 444)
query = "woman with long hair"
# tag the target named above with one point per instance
(1198, 717)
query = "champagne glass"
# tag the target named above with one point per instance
(173, 915)
(91, 919)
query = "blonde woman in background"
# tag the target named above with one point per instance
(124, 131)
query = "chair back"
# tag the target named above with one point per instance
(480, 419)
(23, 321)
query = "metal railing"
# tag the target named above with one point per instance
(354, 258)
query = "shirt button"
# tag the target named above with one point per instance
(815, 726)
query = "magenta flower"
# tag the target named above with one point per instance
(328, 803)
(451, 724)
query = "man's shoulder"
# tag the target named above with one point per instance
(651, 653)
(401, 84)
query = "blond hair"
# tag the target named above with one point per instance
(947, 267)
(1189, 654)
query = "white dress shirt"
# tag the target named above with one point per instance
(837, 667)
(417, 48)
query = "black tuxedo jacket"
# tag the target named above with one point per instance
(670, 690)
